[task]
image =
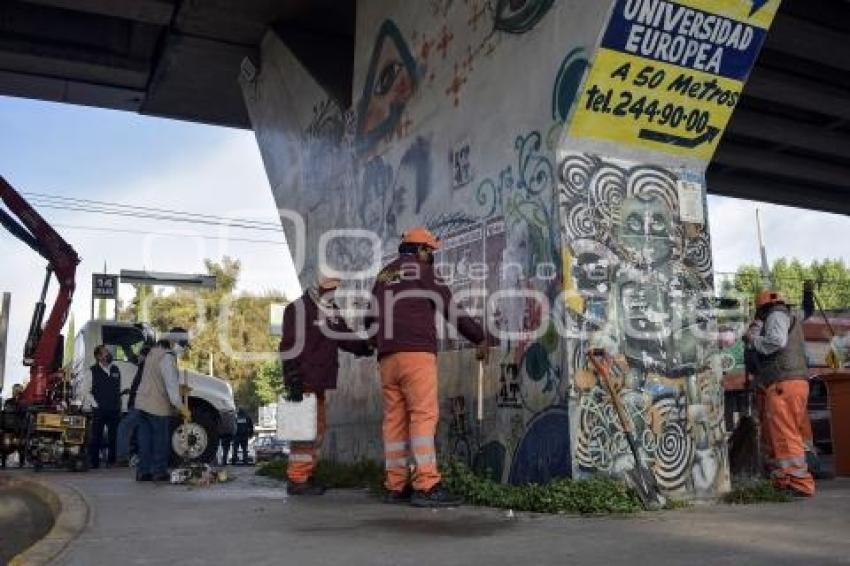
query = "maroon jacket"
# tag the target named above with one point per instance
(408, 324)
(307, 352)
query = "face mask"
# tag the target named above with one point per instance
(107, 359)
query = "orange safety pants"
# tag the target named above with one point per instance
(785, 432)
(411, 413)
(304, 456)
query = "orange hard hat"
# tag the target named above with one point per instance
(421, 235)
(768, 297)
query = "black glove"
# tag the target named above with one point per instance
(295, 390)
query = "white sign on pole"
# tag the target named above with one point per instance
(5, 306)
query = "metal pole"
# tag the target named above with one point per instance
(765, 267)
(5, 306)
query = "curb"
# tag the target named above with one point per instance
(70, 516)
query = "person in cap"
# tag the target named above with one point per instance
(406, 296)
(776, 356)
(157, 401)
(313, 333)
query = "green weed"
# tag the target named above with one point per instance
(757, 492)
(586, 497)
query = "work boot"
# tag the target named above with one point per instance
(437, 496)
(308, 487)
(399, 496)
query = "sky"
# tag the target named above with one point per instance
(107, 155)
(113, 156)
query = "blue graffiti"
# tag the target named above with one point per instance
(544, 452)
(567, 83)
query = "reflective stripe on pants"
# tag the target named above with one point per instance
(784, 419)
(411, 412)
(304, 456)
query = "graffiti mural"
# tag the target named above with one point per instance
(519, 16)
(470, 31)
(391, 80)
(461, 107)
(644, 278)
(394, 197)
(544, 451)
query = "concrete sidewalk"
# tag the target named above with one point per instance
(250, 521)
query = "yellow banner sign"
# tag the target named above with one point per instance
(668, 75)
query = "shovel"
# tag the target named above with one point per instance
(480, 414)
(640, 477)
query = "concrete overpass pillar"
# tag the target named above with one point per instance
(559, 148)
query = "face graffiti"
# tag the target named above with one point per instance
(645, 231)
(391, 80)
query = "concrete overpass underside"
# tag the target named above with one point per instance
(788, 141)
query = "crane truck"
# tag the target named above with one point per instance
(42, 424)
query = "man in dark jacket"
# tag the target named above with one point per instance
(313, 333)
(105, 404)
(407, 295)
(244, 432)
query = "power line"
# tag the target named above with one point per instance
(175, 234)
(134, 211)
(146, 208)
(161, 217)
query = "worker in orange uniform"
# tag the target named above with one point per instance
(406, 297)
(312, 334)
(776, 343)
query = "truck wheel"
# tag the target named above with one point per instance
(206, 420)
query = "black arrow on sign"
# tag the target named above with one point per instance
(660, 137)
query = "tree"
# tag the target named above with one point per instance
(268, 382)
(135, 311)
(831, 277)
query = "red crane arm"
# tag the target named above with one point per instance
(62, 261)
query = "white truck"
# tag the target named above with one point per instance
(211, 398)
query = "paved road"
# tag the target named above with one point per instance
(24, 519)
(250, 521)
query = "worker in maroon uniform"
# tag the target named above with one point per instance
(407, 296)
(313, 333)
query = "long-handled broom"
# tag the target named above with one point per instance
(744, 450)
